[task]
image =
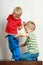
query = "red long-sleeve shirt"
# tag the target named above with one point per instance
(12, 24)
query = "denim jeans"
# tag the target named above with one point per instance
(14, 47)
(29, 57)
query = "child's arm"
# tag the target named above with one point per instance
(22, 45)
(20, 27)
(21, 35)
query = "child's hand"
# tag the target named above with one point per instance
(16, 36)
(24, 23)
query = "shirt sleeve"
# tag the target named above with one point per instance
(20, 23)
(9, 17)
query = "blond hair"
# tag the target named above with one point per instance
(17, 10)
(32, 24)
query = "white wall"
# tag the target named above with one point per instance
(32, 10)
(37, 16)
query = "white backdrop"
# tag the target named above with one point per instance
(32, 10)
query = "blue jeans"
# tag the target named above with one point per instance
(29, 57)
(14, 47)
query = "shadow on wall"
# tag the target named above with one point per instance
(22, 41)
(4, 51)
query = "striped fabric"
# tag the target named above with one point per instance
(31, 42)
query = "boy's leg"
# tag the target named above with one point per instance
(30, 59)
(28, 56)
(13, 44)
(24, 56)
(16, 54)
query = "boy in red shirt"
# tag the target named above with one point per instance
(13, 24)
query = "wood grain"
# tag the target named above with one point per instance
(20, 62)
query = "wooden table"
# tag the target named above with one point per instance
(20, 63)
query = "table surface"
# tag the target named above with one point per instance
(20, 62)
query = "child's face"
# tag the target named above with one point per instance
(16, 16)
(28, 29)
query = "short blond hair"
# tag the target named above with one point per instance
(17, 10)
(32, 23)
